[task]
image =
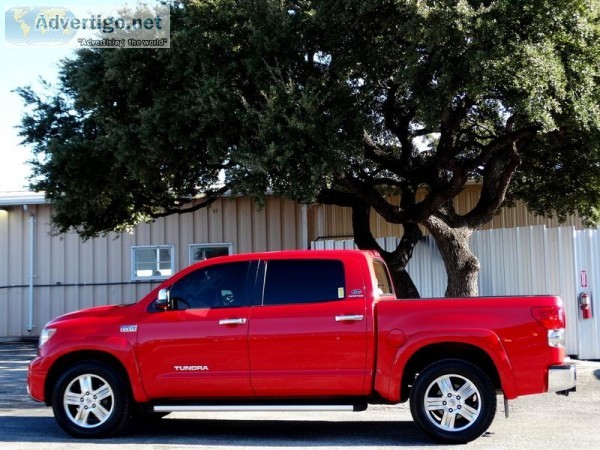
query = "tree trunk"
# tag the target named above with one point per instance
(403, 283)
(462, 266)
(396, 260)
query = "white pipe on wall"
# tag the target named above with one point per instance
(30, 324)
(304, 227)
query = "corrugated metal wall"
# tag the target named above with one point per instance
(587, 250)
(514, 261)
(71, 274)
(530, 261)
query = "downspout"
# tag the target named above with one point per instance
(30, 325)
(304, 227)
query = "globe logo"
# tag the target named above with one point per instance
(28, 25)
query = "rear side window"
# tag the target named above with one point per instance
(384, 284)
(304, 281)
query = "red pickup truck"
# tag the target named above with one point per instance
(298, 330)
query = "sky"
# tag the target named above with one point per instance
(24, 66)
(20, 66)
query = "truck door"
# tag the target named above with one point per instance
(308, 337)
(198, 348)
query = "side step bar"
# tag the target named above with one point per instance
(226, 408)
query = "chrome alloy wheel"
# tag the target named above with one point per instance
(89, 401)
(452, 402)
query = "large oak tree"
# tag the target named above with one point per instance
(352, 103)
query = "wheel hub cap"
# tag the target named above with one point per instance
(452, 403)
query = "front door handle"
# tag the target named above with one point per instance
(239, 321)
(349, 318)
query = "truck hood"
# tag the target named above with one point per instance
(97, 311)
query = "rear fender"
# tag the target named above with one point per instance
(390, 376)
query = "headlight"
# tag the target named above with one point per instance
(45, 335)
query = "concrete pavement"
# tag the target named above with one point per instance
(536, 422)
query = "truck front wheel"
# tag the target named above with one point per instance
(91, 400)
(453, 401)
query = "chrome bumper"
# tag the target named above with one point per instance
(562, 379)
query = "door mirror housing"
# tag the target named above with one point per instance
(163, 300)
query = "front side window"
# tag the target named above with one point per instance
(152, 262)
(218, 286)
(304, 281)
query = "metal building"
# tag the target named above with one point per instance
(43, 275)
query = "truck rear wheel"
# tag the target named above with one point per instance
(91, 400)
(453, 401)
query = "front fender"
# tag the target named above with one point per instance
(117, 349)
(396, 351)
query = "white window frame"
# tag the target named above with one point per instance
(193, 247)
(154, 275)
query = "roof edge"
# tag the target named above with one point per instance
(18, 198)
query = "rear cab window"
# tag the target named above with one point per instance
(384, 285)
(304, 281)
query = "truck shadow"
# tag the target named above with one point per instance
(296, 433)
(30, 430)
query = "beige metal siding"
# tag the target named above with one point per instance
(517, 216)
(4, 269)
(331, 222)
(13, 270)
(71, 274)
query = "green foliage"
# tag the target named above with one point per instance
(330, 100)
(561, 175)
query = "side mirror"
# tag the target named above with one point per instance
(163, 300)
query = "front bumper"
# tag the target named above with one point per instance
(562, 378)
(36, 379)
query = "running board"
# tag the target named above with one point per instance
(227, 408)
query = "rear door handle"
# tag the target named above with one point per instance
(349, 318)
(239, 321)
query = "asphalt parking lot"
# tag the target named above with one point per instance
(536, 422)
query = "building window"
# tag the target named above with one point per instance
(200, 252)
(152, 262)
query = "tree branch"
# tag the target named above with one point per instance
(502, 159)
(203, 202)
(398, 123)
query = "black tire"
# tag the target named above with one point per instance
(91, 400)
(453, 401)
